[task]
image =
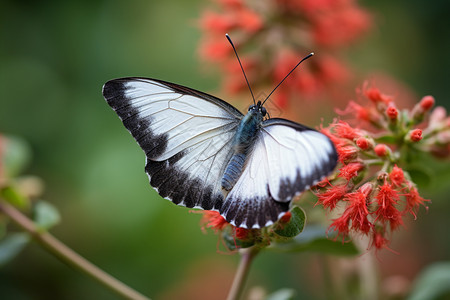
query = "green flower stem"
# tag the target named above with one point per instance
(67, 255)
(237, 287)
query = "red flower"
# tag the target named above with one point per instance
(413, 201)
(376, 96)
(415, 135)
(396, 176)
(351, 170)
(249, 20)
(387, 198)
(347, 153)
(356, 212)
(360, 112)
(212, 219)
(378, 240)
(215, 50)
(217, 22)
(266, 33)
(331, 196)
(343, 130)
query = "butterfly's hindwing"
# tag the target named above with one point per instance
(185, 134)
(286, 159)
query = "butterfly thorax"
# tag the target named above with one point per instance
(243, 141)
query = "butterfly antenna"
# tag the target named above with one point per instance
(242, 68)
(303, 59)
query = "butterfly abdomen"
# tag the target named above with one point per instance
(233, 171)
(242, 143)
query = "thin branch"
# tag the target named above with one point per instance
(237, 287)
(67, 255)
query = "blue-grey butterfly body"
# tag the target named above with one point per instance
(201, 152)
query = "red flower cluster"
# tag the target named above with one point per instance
(282, 32)
(372, 192)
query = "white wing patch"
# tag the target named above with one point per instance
(296, 159)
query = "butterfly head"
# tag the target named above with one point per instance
(258, 109)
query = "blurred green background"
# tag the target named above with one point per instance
(54, 58)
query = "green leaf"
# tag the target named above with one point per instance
(420, 175)
(13, 196)
(232, 243)
(314, 239)
(432, 283)
(46, 215)
(295, 225)
(16, 156)
(282, 294)
(11, 246)
(387, 139)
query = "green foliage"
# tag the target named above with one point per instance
(282, 294)
(16, 155)
(11, 246)
(295, 225)
(12, 195)
(46, 215)
(314, 239)
(432, 283)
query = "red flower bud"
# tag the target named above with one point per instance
(286, 217)
(392, 112)
(381, 150)
(415, 135)
(363, 143)
(427, 102)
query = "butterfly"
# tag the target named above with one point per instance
(201, 152)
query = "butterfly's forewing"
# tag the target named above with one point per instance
(186, 135)
(286, 159)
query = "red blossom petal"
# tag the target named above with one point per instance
(249, 20)
(346, 153)
(379, 241)
(376, 96)
(387, 199)
(217, 23)
(212, 219)
(215, 50)
(396, 176)
(331, 196)
(360, 112)
(344, 130)
(356, 212)
(351, 170)
(414, 201)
